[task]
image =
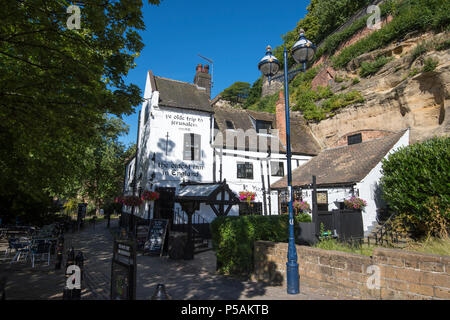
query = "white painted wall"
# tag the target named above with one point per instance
(368, 190)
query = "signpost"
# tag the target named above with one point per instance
(156, 236)
(81, 213)
(123, 271)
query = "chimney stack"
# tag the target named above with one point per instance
(281, 118)
(202, 78)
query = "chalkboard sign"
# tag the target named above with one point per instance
(156, 236)
(123, 271)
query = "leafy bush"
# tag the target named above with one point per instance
(233, 239)
(415, 183)
(429, 65)
(355, 81)
(370, 68)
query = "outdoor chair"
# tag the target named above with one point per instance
(40, 249)
(21, 247)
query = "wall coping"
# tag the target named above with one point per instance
(376, 252)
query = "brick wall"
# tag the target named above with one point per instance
(403, 275)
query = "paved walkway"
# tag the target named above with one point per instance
(184, 280)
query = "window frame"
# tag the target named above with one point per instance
(192, 145)
(248, 173)
(272, 166)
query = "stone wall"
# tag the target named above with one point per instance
(403, 275)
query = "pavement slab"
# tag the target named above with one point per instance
(184, 279)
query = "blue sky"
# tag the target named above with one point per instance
(234, 34)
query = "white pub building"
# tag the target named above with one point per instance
(183, 137)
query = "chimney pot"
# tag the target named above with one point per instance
(199, 68)
(206, 68)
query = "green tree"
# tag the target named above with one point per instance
(237, 92)
(55, 86)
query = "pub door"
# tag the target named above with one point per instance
(164, 209)
(164, 206)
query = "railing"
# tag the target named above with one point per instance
(386, 234)
(200, 226)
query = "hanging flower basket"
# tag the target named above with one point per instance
(301, 207)
(132, 201)
(149, 195)
(119, 199)
(355, 203)
(247, 196)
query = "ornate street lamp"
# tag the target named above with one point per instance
(302, 51)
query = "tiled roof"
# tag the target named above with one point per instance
(342, 165)
(302, 141)
(178, 94)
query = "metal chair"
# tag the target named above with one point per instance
(40, 249)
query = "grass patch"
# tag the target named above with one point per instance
(419, 50)
(355, 81)
(370, 68)
(332, 244)
(429, 65)
(431, 246)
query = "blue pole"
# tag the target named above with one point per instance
(291, 265)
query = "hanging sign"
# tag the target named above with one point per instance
(156, 236)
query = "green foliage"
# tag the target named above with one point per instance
(416, 180)
(233, 239)
(355, 81)
(419, 50)
(55, 87)
(370, 68)
(444, 45)
(254, 93)
(342, 100)
(413, 72)
(334, 245)
(266, 104)
(237, 92)
(429, 65)
(323, 17)
(409, 15)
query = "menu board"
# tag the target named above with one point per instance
(123, 271)
(156, 236)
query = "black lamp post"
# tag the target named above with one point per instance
(302, 51)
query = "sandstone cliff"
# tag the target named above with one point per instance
(398, 96)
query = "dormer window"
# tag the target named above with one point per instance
(266, 126)
(229, 124)
(354, 139)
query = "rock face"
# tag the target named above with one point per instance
(398, 96)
